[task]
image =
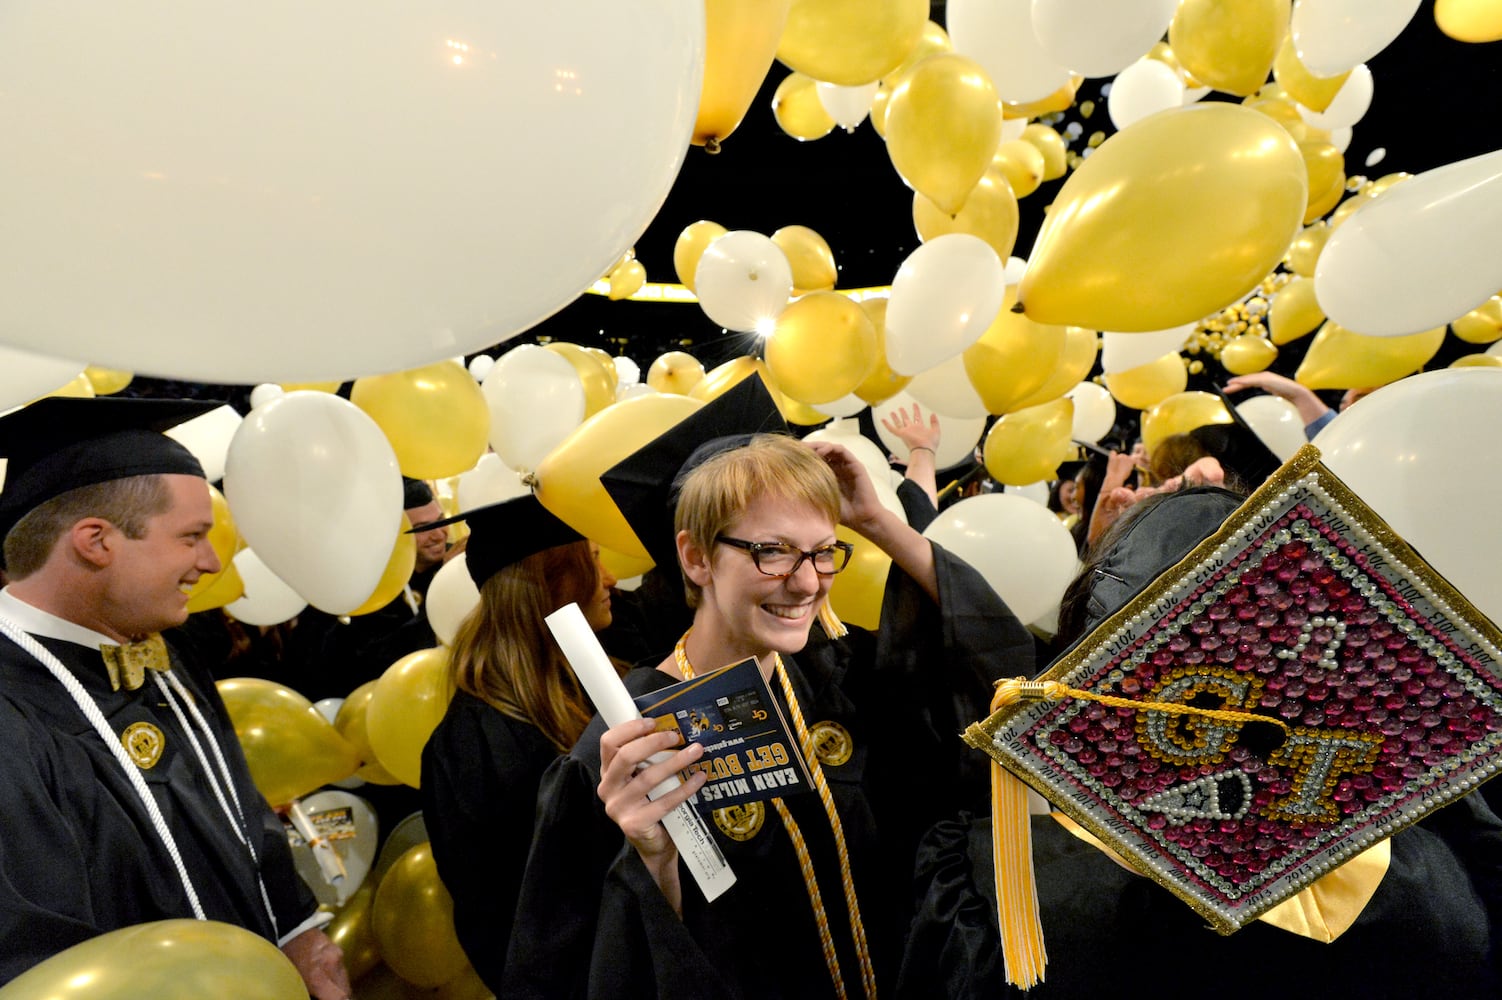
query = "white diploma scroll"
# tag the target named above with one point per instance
(593, 668)
(329, 861)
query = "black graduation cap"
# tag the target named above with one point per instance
(501, 534)
(645, 484)
(1240, 450)
(415, 493)
(60, 443)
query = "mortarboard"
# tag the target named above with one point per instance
(415, 493)
(1357, 692)
(60, 443)
(1240, 449)
(645, 484)
(502, 534)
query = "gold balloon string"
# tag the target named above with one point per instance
(1012, 690)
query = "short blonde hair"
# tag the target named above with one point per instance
(719, 491)
(129, 504)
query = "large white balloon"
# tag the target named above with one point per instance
(1349, 105)
(1331, 36)
(1121, 352)
(1422, 453)
(1024, 552)
(1419, 255)
(268, 600)
(490, 481)
(743, 281)
(1094, 411)
(848, 106)
(1276, 421)
(1100, 37)
(451, 597)
(535, 400)
(314, 488)
(1144, 88)
(208, 436)
(847, 433)
(25, 376)
(946, 389)
(845, 406)
(958, 436)
(945, 295)
(292, 191)
(998, 34)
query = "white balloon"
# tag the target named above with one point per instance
(998, 34)
(1331, 36)
(743, 281)
(208, 436)
(451, 597)
(1420, 453)
(1276, 421)
(1340, 138)
(1015, 269)
(264, 393)
(1021, 549)
(490, 481)
(535, 400)
(848, 106)
(1496, 349)
(1094, 412)
(625, 391)
(399, 184)
(480, 365)
(355, 835)
(1012, 128)
(946, 390)
(314, 488)
(1144, 88)
(268, 600)
(1122, 351)
(1419, 254)
(1100, 37)
(328, 708)
(847, 433)
(1036, 492)
(887, 494)
(25, 377)
(958, 436)
(945, 295)
(627, 372)
(1348, 106)
(845, 406)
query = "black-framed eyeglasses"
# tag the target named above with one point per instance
(782, 561)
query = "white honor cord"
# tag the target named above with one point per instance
(91, 711)
(236, 818)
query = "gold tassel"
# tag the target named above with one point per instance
(833, 627)
(1012, 858)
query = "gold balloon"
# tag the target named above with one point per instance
(1148, 385)
(810, 258)
(990, 213)
(1480, 325)
(216, 590)
(568, 478)
(675, 372)
(857, 591)
(466, 986)
(1326, 167)
(1013, 358)
(435, 417)
(798, 413)
(932, 41)
(690, 247)
(79, 387)
(1304, 252)
(224, 539)
(881, 383)
(1340, 359)
(413, 916)
(1022, 164)
(1469, 20)
(406, 706)
(798, 110)
(164, 960)
(878, 112)
(1060, 100)
(1026, 446)
(382, 983)
(1180, 414)
(1294, 312)
(626, 280)
(740, 40)
(350, 723)
(1169, 221)
(1477, 361)
(943, 124)
(851, 42)
(1247, 354)
(599, 385)
(822, 348)
(351, 930)
(726, 376)
(1075, 361)
(1228, 44)
(607, 364)
(624, 567)
(398, 571)
(290, 747)
(329, 387)
(1313, 92)
(1281, 110)
(1345, 209)
(1052, 146)
(107, 381)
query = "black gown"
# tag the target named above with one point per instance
(79, 856)
(903, 694)
(480, 772)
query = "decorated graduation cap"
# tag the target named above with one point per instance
(60, 443)
(505, 533)
(645, 484)
(1295, 690)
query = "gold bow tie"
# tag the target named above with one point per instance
(128, 664)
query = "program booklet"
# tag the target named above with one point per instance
(750, 752)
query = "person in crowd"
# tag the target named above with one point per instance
(818, 908)
(516, 707)
(126, 793)
(919, 490)
(1312, 410)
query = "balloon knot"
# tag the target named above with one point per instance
(530, 481)
(712, 145)
(1017, 307)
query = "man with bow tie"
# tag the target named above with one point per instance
(125, 795)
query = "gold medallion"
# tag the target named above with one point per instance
(741, 822)
(833, 744)
(144, 742)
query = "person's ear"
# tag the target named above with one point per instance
(694, 559)
(92, 541)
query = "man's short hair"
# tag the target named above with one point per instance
(127, 503)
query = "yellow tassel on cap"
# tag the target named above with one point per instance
(1012, 857)
(833, 627)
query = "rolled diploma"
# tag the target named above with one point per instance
(593, 668)
(329, 861)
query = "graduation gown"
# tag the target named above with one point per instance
(903, 694)
(480, 772)
(78, 854)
